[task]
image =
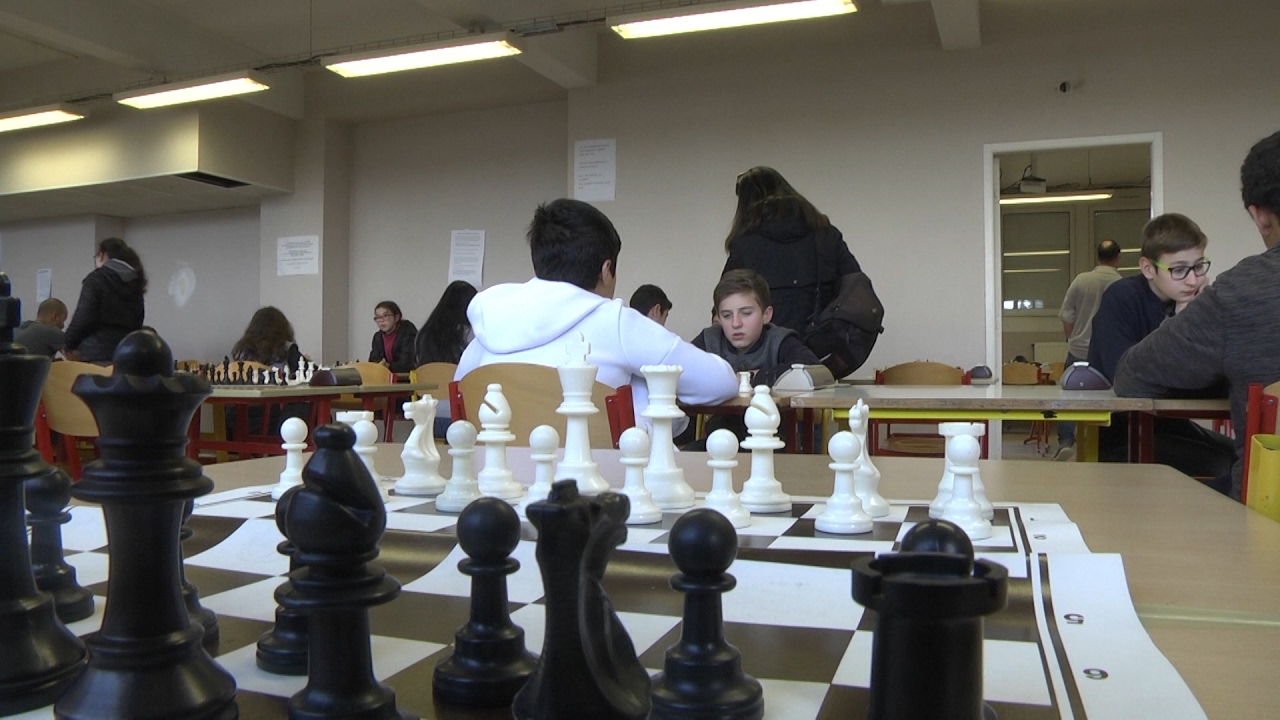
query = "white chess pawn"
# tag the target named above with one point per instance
(543, 442)
(420, 457)
(722, 445)
(866, 478)
(495, 417)
(962, 509)
(662, 476)
(577, 376)
(366, 445)
(744, 383)
(634, 445)
(949, 430)
(762, 493)
(294, 433)
(462, 487)
(844, 514)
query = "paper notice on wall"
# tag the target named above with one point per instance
(466, 256)
(595, 169)
(298, 255)
(44, 284)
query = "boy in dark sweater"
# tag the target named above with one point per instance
(742, 333)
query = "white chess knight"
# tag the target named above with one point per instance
(462, 487)
(294, 433)
(762, 493)
(495, 417)
(722, 446)
(950, 430)
(420, 457)
(963, 451)
(866, 479)
(844, 514)
(577, 377)
(543, 442)
(634, 445)
(663, 478)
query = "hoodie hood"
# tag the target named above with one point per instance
(784, 229)
(122, 269)
(513, 317)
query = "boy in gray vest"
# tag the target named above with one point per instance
(742, 333)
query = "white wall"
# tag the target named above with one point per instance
(63, 245)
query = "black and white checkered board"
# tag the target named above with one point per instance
(1078, 653)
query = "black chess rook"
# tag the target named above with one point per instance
(47, 499)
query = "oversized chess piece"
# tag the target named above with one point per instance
(931, 595)
(543, 442)
(283, 649)
(462, 486)
(147, 659)
(335, 521)
(634, 445)
(577, 377)
(844, 514)
(47, 497)
(949, 430)
(420, 457)
(489, 663)
(762, 493)
(961, 508)
(702, 675)
(866, 478)
(662, 476)
(495, 419)
(722, 445)
(588, 667)
(38, 655)
(294, 433)
(366, 447)
(200, 614)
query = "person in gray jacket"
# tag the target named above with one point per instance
(44, 336)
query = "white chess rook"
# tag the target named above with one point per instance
(634, 445)
(963, 451)
(663, 478)
(495, 417)
(420, 457)
(844, 514)
(577, 377)
(543, 442)
(866, 479)
(762, 493)
(294, 433)
(462, 487)
(723, 447)
(950, 430)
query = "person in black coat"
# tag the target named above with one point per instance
(393, 344)
(781, 235)
(110, 304)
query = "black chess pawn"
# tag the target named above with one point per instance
(489, 663)
(335, 520)
(199, 614)
(47, 499)
(702, 675)
(282, 650)
(930, 600)
(39, 657)
(147, 659)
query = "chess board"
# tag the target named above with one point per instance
(1069, 644)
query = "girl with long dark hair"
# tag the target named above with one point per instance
(447, 331)
(110, 304)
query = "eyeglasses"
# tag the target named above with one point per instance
(392, 317)
(1180, 272)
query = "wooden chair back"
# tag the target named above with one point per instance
(370, 374)
(66, 413)
(439, 374)
(1020, 373)
(921, 372)
(534, 393)
(1055, 370)
(187, 365)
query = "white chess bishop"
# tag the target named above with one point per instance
(543, 442)
(866, 478)
(844, 514)
(634, 445)
(420, 457)
(722, 446)
(577, 377)
(294, 433)
(495, 419)
(662, 476)
(963, 451)
(462, 486)
(762, 493)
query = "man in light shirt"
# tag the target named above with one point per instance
(1078, 309)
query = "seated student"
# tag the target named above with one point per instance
(1173, 273)
(43, 336)
(1232, 331)
(742, 332)
(393, 343)
(266, 340)
(447, 331)
(575, 256)
(650, 301)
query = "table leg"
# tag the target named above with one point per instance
(1086, 442)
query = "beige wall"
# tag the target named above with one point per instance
(64, 245)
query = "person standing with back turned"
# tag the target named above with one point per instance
(110, 304)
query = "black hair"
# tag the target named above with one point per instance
(1260, 175)
(390, 307)
(1108, 250)
(646, 296)
(443, 336)
(763, 194)
(116, 249)
(570, 241)
(266, 339)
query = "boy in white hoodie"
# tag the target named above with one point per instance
(575, 257)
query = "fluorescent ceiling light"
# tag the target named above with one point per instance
(714, 16)
(1033, 270)
(1074, 197)
(37, 116)
(445, 52)
(1032, 253)
(206, 88)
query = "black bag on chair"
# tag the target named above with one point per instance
(844, 333)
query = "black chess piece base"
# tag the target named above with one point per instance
(282, 650)
(47, 497)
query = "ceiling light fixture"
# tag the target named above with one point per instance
(206, 88)
(37, 116)
(414, 57)
(1060, 198)
(718, 15)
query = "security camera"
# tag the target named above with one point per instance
(1064, 87)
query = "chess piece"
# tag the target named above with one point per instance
(577, 377)
(495, 417)
(723, 446)
(702, 675)
(931, 595)
(744, 384)
(367, 446)
(489, 663)
(294, 433)
(961, 508)
(462, 486)
(844, 514)
(762, 493)
(334, 522)
(39, 656)
(662, 476)
(634, 445)
(420, 457)
(198, 613)
(542, 442)
(283, 649)
(47, 497)
(949, 430)
(866, 478)
(588, 667)
(147, 660)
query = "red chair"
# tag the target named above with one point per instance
(622, 412)
(1260, 412)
